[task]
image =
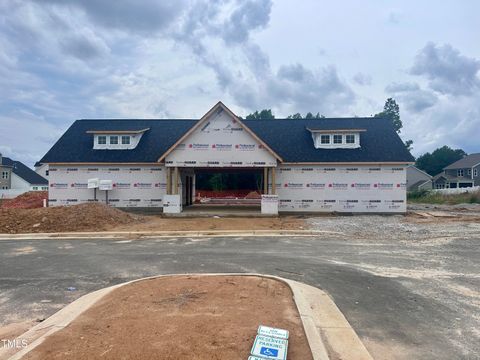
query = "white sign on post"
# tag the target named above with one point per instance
(270, 348)
(93, 183)
(106, 185)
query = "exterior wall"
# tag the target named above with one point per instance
(19, 184)
(133, 186)
(42, 170)
(342, 188)
(476, 178)
(220, 142)
(414, 175)
(5, 183)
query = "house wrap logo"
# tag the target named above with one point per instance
(402, 186)
(293, 186)
(197, 146)
(141, 185)
(361, 186)
(59, 185)
(384, 186)
(316, 186)
(222, 147)
(79, 185)
(245, 147)
(338, 186)
(122, 185)
(161, 185)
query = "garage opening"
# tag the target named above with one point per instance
(236, 189)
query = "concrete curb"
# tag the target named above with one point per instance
(162, 234)
(329, 334)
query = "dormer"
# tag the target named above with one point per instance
(336, 139)
(116, 139)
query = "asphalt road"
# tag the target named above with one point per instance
(406, 301)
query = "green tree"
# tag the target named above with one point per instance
(391, 112)
(295, 116)
(262, 115)
(433, 163)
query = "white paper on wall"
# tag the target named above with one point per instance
(132, 186)
(341, 188)
(220, 142)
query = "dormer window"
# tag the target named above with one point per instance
(336, 139)
(125, 139)
(325, 139)
(116, 140)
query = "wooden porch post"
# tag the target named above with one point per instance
(274, 188)
(169, 181)
(175, 184)
(265, 180)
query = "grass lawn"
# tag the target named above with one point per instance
(431, 197)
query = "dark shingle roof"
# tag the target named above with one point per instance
(467, 162)
(77, 146)
(289, 138)
(24, 172)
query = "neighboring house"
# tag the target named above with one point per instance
(19, 177)
(41, 169)
(418, 179)
(315, 165)
(5, 175)
(462, 173)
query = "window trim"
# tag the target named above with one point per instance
(5, 175)
(111, 137)
(347, 137)
(335, 138)
(475, 172)
(460, 173)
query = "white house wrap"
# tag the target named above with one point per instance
(312, 165)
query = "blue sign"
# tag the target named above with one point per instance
(268, 351)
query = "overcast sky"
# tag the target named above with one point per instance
(63, 60)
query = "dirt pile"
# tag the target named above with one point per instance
(202, 318)
(28, 200)
(83, 217)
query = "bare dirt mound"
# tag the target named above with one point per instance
(83, 217)
(28, 200)
(184, 317)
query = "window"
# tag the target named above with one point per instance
(113, 140)
(350, 139)
(44, 187)
(126, 140)
(460, 172)
(35, 188)
(102, 140)
(337, 139)
(324, 139)
(475, 172)
(46, 172)
(469, 172)
(4, 187)
(4, 174)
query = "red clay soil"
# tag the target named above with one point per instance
(184, 317)
(28, 200)
(83, 217)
